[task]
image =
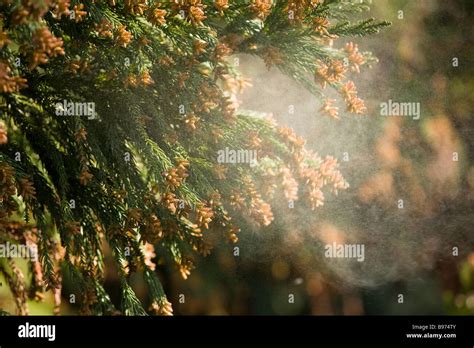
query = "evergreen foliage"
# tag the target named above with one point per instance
(152, 92)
